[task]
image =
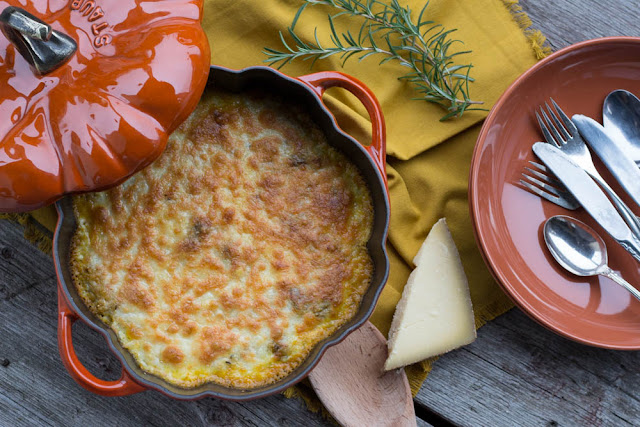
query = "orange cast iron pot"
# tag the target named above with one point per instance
(370, 160)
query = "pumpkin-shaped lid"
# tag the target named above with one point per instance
(90, 91)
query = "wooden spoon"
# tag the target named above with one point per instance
(351, 383)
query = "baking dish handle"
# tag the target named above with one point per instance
(324, 80)
(121, 387)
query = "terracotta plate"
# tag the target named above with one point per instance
(508, 220)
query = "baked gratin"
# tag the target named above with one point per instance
(229, 258)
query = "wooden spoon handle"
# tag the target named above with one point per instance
(351, 383)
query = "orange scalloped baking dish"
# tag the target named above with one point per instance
(369, 160)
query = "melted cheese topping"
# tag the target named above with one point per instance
(234, 253)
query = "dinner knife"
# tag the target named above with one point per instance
(612, 154)
(589, 195)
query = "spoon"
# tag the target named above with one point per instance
(621, 119)
(580, 250)
(351, 383)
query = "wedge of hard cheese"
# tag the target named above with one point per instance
(434, 314)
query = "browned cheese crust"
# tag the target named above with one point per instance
(229, 258)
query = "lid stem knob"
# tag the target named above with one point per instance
(44, 48)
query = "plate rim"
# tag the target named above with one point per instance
(474, 202)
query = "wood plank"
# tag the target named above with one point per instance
(517, 371)
(571, 21)
(35, 388)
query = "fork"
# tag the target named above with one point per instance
(547, 187)
(562, 133)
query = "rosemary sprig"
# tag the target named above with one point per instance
(388, 30)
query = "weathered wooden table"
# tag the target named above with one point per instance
(516, 373)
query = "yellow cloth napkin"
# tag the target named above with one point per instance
(427, 179)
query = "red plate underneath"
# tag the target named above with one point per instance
(508, 220)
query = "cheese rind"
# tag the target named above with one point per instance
(434, 314)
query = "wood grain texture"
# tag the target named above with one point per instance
(571, 21)
(351, 383)
(517, 371)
